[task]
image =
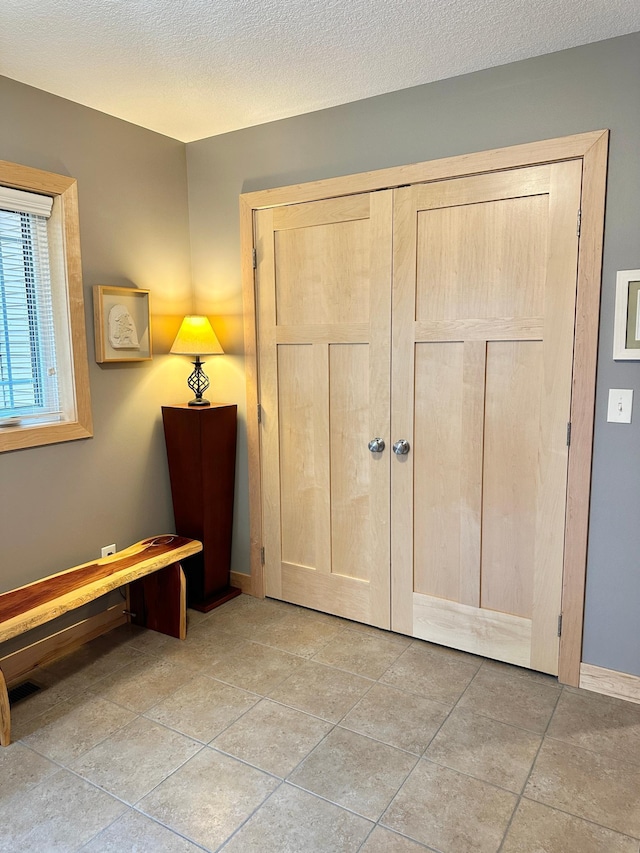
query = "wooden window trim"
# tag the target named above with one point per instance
(64, 191)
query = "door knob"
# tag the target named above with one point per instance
(376, 445)
(401, 447)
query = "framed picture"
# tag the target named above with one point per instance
(122, 324)
(626, 330)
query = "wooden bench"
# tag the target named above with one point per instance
(157, 595)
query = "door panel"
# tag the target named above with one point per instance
(449, 409)
(324, 310)
(483, 632)
(483, 260)
(349, 404)
(510, 481)
(297, 463)
(438, 456)
(483, 315)
(322, 274)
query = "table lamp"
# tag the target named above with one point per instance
(196, 337)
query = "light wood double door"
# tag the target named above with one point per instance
(439, 318)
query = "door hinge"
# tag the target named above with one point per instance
(262, 556)
(560, 625)
(254, 259)
(579, 223)
(568, 433)
(259, 413)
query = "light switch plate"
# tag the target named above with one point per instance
(620, 405)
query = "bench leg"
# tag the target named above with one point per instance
(159, 601)
(5, 713)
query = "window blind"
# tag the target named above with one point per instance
(28, 370)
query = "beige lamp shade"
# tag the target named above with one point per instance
(196, 337)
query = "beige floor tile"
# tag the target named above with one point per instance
(293, 821)
(156, 643)
(209, 797)
(143, 639)
(530, 674)
(72, 727)
(537, 828)
(354, 772)
(105, 642)
(599, 723)
(135, 759)
(579, 690)
(318, 614)
(49, 695)
(273, 737)
(362, 653)
(328, 618)
(236, 603)
(450, 811)
(448, 651)
(211, 624)
(492, 751)
(298, 632)
(361, 628)
(588, 785)
(512, 699)
(430, 672)
(202, 648)
(135, 833)
(396, 717)
(244, 614)
(202, 707)
(143, 683)
(22, 768)
(57, 816)
(195, 617)
(383, 840)
(321, 690)
(255, 667)
(88, 664)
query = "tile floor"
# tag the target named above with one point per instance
(273, 728)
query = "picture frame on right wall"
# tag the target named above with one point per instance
(626, 329)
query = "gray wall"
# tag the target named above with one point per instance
(587, 88)
(59, 504)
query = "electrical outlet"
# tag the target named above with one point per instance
(108, 550)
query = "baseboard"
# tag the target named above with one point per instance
(16, 665)
(243, 582)
(621, 685)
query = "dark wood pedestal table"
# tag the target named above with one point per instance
(201, 450)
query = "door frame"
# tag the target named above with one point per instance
(592, 149)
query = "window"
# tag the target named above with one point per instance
(28, 364)
(44, 387)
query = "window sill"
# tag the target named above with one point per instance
(18, 437)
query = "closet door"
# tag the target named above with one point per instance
(483, 327)
(324, 325)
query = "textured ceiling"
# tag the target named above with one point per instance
(196, 68)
